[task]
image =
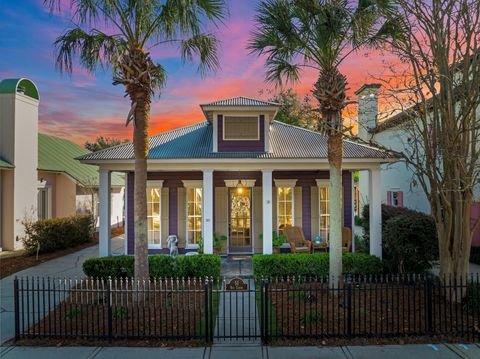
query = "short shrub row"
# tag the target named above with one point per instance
(161, 266)
(312, 265)
(50, 235)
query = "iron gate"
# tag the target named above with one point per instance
(235, 314)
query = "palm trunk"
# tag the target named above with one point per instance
(335, 154)
(140, 140)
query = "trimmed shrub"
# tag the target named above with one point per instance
(50, 235)
(471, 301)
(115, 267)
(312, 265)
(410, 243)
(161, 266)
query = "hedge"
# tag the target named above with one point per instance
(161, 266)
(50, 235)
(312, 265)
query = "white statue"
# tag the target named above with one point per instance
(172, 243)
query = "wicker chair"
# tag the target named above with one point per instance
(346, 239)
(296, 238)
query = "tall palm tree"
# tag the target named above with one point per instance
(294, 34)
(134, 29)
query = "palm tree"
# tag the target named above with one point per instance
(294, 34)
(134, 28)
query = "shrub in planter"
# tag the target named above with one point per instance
(312, 265)
(161, 266)
(50, 235)
(410, 243)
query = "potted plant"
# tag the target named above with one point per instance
(278, 239)
(218, 243)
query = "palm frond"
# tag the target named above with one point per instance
(94, 48)
(203, 46)
(280, 71)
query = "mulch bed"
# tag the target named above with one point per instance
(152, 315)
(14, 264)
(380, 314)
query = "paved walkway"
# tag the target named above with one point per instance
(413, 351)
(69, 266)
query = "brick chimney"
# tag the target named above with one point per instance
(367, 109)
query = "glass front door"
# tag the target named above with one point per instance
(240, 223)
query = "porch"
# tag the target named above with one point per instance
(243, 207)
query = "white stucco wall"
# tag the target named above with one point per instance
(18, 145)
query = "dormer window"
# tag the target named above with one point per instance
(241, 128)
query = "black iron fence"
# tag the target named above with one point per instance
(270, 310)
(373, 306)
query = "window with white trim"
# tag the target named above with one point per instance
(324, 211)
(241, 128)
(154, 220)
(284, 208)
(395, 198)
(194, 215)
(44, 203)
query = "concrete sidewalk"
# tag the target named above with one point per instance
(411, 351)
(69, 266)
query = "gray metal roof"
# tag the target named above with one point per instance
(195, 141)
(240, 101)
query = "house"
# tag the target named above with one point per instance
(238, 174)
(39, 177)
(399, 187)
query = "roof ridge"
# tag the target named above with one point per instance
(320, 134)
(236, 97)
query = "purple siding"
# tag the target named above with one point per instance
(173, 180)
(172, 210)
(241, 146)
(130, 213)
(306, 212)
(347, 198)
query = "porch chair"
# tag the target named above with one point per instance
(296, 238)
(346, 239)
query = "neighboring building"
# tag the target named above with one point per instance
(39, 177)
(399, 186)
(240, 174)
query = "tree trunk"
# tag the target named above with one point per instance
(141, 144)
(335, 154)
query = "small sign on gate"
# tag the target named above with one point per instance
(236, 284)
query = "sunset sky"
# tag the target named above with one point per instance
(82, 106)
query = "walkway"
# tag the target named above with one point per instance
(69, 266)
(424, 351)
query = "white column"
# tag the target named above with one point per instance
(125, 214)
(207, 216)
(375, 197)
(267, 211)
(104, 213)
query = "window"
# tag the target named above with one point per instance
(324, 204)
(241, 128)
(154, 217)
(194, 215)
(284, 207)
(395, 198)
(43, 203)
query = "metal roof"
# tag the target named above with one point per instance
(240, 101)
(14, 85)
(5, 164)
(195, 141)
(58, 155)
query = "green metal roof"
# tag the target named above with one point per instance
(19, 85)
(58, 155)
(5, 164)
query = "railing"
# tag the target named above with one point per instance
(270, 309)
(373, 306)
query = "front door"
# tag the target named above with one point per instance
(240, 220)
